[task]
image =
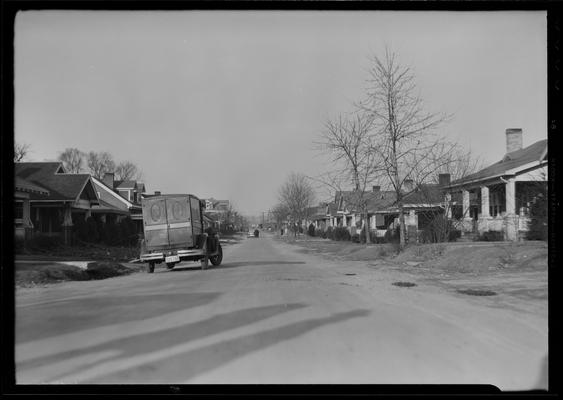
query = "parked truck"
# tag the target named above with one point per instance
(174, 231)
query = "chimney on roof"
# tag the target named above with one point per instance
(408, 185)
(157, 192)
(108, 179)
(513, 139)
(376, 189)
(444, 179)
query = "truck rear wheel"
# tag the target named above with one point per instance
(170, 265)
(151, 268)
(217, 258)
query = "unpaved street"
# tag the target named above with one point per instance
(270, 314)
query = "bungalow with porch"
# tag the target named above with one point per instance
(504, 190)
(22, 220)
(118, 199)
(62, 197)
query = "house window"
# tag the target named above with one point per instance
(380, 221)
(497, 200)
(18, 210)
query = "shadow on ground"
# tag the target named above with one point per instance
(187, 365)
(136, 344)
(96, 311)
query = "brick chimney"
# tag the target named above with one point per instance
(513, 139)
(444, 179)
(108, 179)
(376, 189)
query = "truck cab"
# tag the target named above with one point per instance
(173, 227)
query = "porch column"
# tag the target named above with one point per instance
(510, 197)
(449, 205)
(353, 224)
(27, 224)
(67, 224)
(465, 194)
(88, 214)
(485, 201)
(511, 218)
(412, 218)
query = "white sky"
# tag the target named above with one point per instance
(226, 104)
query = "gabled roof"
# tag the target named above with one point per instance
(536, 152)
(374, 200)
(124, 184)
(24, 186)
(425, 194)
(61, 186)
(109, 196)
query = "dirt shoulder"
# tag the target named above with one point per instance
(497, 274)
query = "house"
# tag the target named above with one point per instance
(113, 207)
(22, 220)
(503, 192)
(347, 212)
(317, 216)
(55, 197)
(119, 199)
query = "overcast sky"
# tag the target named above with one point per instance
(226, 104)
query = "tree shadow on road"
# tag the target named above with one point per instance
(98, 311)
(135, 344)
(182, 367)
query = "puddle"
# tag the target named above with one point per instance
(404, 284)
(474, 292)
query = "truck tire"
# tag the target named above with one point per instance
(151, 268)
(216, 259)
(170, 265)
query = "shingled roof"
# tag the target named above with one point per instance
(50, 175)
(24, 186)
(536, 152)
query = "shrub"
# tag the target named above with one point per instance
(355, 238)
(311, 230)
(341, 233)
(492, 236)
(329, 234)
(537, 228)
(372, 236)
(392, 235)
(439, 229)
(44, 242)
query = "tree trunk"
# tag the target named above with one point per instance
(366, 228)
(401, 228)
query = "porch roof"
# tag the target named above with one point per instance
(536, 152)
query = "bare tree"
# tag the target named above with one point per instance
(280, 213)
(406, 142)
(21, 151)
(100, 163)
(349, 143)
(73, 160)
(126, 170)
(297, 195)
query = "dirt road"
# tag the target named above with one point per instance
(271, 314)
